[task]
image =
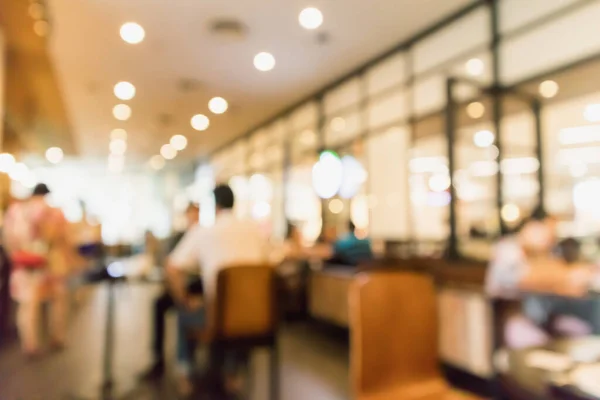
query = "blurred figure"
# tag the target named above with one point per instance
(293, 242)
(88, 237)
(35, 236)
(151, 249)
(230, 241)
(165, 301)
(350, 250)
(524, 263)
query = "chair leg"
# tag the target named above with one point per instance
(274, 373)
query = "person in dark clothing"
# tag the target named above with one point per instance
(165, 302)
(351, 250)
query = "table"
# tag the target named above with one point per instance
(522, 382)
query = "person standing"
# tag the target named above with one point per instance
(35, 236)
(230, 241)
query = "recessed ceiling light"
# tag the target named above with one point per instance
(475, 67)
(7, 161)
(439, 182)
(338, 124)
(168, 152)
(200, 122)
(36, 10)
(218, 105)
(336, 206)
(549, 89)
(118, 134)
(118, 147)
(511, 213)
(122, 112)
(132, 33)
(592, 113)
(157, 162)
(54, 155)
(264, 61)
(41, 28)
(179, 142)
(18, 171)
(116, 163)
(484, 138)
(475, 110)
(124, 91)
(311, 18)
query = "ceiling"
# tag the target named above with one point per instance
(90, 58)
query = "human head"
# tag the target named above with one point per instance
(537, 233)
(224, 198)
(570, 249)
(351, 227)
(192, 214)
(40, 190)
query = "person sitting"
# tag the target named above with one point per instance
(351, 250)
(164, 303)
(230, 241)
(523, 267)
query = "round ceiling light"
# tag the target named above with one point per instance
(549, 89)
(511, 213)
(264, 61)
(54, 155)
(122, 112)
(484, 138)
(200, 122)
(178, 142)
(338, 124)
(311, 18)
(439, 182)
(18, 172)
(132, 33)
(336, 206)
(41, 28)
(475, 67)
(475, 110)
(7, 161)
(157, 162)
(118, 134)
(124, 91)
(168, 152)
(218, 105)
(592, 113)
(118, 147)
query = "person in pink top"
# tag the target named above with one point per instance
(35, 237)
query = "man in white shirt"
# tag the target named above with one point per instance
(231, 241)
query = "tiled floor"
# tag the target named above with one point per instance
(314, 365)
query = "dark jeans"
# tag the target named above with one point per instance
(163, 304)
(222, 360)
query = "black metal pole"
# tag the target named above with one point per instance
(497, 108)
(537, 113)
(451, 134)
(107, 362)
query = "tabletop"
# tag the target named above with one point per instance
(521, 379)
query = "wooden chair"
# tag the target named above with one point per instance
(394, 339)
(246, 314)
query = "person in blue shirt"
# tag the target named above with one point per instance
(350, 250)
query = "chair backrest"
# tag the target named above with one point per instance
(246, 306)
(394, 330)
